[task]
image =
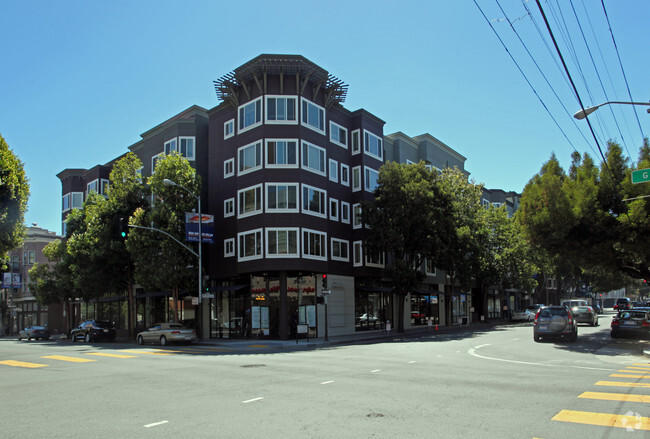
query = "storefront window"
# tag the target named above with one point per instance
(424, 308)
(372, 310)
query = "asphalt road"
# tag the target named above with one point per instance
(492, 383)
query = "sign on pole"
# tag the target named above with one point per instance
(641, 176)
(192, 227)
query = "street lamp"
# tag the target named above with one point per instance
(587, 111)
(168, 182)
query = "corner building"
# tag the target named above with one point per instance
(289, 167)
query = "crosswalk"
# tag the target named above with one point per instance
(635, 376)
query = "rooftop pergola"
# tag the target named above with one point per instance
(310, 79)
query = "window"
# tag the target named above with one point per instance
(92, 186)
(229, 248)
(356, 216)
(228, 168)
(282, 197)
(154, 161)
(313, 116)
(229, 129)
(73, 200)
(340, 250)
(282, 243)
(345, 212)
(187, 147)
(357, 253)
(375, 260)
(171, 145)
(104, 186)
(29, 257)
(281, 153)
(371, 179)
(250, 115)
(281, 109)
(345, 175)
(334, 209)
(372, 145)
(313, 158)
(249, 201)
(338, 135)
(356, 178)
(228, 207)
(334, 171)
(356, 142)
(313, 201)
(314, 244)
(250, 158)
(250, 245)
(430, 269)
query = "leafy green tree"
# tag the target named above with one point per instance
(161, 264)
(14, 193)
(408, 220)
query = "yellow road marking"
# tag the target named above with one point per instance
(622, 384)
(604, 419)
(22, 364)
(620, 375)
(70, 359)
(616, 397)
(642, 364)
(638, 369)
(102, 354)
(635, 371)
(149, 352)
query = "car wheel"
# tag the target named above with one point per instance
(574, 337)
(88, 338)
(140, 339)
(613, 334)
(72, 340)
(163, 340)
(536, 338)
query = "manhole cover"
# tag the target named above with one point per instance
(253, 365)
(374, 415)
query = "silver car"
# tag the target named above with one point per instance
(585, 314)
(165, 333)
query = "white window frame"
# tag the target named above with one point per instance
(92, 186)
(228, 129)
(427, 269)
(306, 199)
(229, 207)
(341, 242)
(80, 203)
(355, 141)
(229, 168)
(334, 213)
(241, 150)
(307, 151)
(281, 121)
(335, 138)
(357, 180)
(240, 120)
(186, 154)
(333, 170)
(357, 253)
(367, 178)
(304, 115)
(104, 184)
(171, 145)
(306, 246)
(69, 197)
(356, 213)
(379, 264)
(288, 230)
(345, 212)
(267, 145)
(229, 248)
(345, 175)
(259, 246)
(255, 190)
(154, 161)
(380, 142)
(267, 198)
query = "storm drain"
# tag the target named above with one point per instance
(374, 415)
(252, 365)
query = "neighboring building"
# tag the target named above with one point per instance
(499, 197)
(23, 309)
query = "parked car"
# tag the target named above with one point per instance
(635, 322)
(93, 330)
(622, 303)
(574, 302)
(35, 332)
(164, 333)
(526, 315)
(585, 314)
(555, 321)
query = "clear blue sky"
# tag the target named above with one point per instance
(81, 80)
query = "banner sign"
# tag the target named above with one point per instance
(6, 280)
(10, 280)
(192, 227)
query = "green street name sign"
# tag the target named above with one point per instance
(641, 175)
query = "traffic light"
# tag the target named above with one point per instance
(123, 227)
(324, 281)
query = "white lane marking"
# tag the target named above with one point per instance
(411, 362)
(472, 352)
(252, 400)
(374, 371)
(155, 424)
(327, 382)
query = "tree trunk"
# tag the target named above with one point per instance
(401, 298)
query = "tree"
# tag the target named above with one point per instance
(408, 220)
(14, 193)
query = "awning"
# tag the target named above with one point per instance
(374, 289)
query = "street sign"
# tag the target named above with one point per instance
(641, 176)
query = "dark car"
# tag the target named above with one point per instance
(622, 303)
(634, 322)
(93, 330)
(35, 332)
(585, 314)
(555, 321)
